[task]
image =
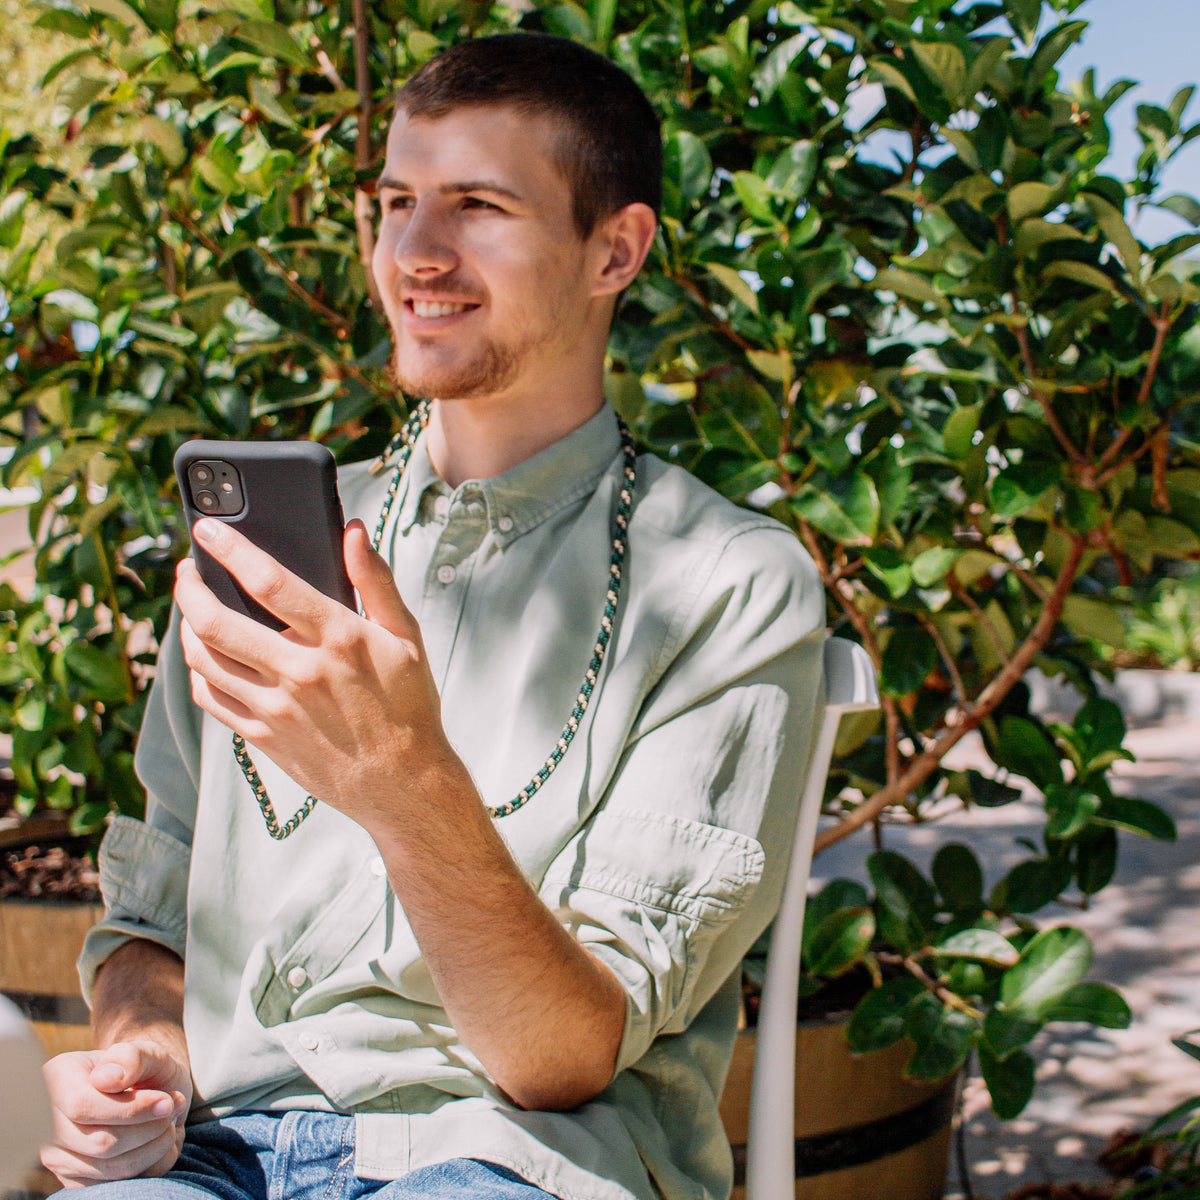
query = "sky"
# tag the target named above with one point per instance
(1156, 42)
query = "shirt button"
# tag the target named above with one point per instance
(297, 977)
(505, 524)
(378, 868)
(446, 573)
(308, 1041)
(441, 506)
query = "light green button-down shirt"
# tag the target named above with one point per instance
(660, 841)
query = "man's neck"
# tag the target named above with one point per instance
(483, 438)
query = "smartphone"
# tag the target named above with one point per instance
(283, 496)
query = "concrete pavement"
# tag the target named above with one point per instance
(1146, 930)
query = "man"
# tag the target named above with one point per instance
(473, 970)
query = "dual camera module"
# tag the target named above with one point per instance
(216, 488)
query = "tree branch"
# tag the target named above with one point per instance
(364, 207)
(1077, 457)
(925, 763)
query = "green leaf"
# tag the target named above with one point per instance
(1080, 273)
(958, 876)
(271, 39)
(1005, 1033)
(847, 511)
(1029, 200)
(1009, 1080)
(117, 9)
(944, 64)
(734, 283)
(840, 941)
(908, 660)
(1031, 885)
(1017, 488)
(754, 195)
(878, 1020)
(942, 1038)
(933, 565)
(1095, 853)
(1025, 749)
(1096, 1003)
(959, 431)
(910, 286)
(979, 945)
(1112, 224)
(102, 673)
(887, 565)
(1051, 964)
(1099, 725)
(1023, 16)
(905, 901)
(687, 162)
(30, 713)
(836, 894)
(1069, 809)
(1094, 619)
(1137, 816)
(792, 173)
(1187, 207)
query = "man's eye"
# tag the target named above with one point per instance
(396, 203)
(478, 202)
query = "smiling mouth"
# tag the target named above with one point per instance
(437, 308)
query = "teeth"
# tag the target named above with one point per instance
(434, 308)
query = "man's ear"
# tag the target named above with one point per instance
(622, 242)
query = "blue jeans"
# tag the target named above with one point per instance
(301, 1156)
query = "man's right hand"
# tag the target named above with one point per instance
(118, 1113)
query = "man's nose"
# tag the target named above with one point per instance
(425, 245)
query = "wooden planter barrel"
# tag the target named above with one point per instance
(39, 943)
(862, 1130)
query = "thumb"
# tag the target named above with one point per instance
(372, 578)
(125, 1065)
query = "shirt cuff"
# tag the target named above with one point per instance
(649, 894)
(144, 879)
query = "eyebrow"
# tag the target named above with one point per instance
(453, 189)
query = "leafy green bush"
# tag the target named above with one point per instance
(1162, 628)
(895, 301)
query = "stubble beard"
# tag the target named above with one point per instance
(490, 370)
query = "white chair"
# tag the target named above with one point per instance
(850, 686)
(24, 1106)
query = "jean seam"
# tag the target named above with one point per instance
(345, 1160)
(281, 1160)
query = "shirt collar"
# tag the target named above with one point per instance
(525, 495)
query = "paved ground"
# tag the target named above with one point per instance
(1146, 931)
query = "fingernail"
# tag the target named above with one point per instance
(164, 1107)
(108, 1075)
(205, 530)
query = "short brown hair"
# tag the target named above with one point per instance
(609, 147)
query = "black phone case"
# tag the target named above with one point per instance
(291, 510)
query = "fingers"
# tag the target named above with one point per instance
(116, 1114)
(290, 598)
(152, 1158)
(372, 577)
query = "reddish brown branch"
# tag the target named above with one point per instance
(1161, 327)
(1077, 457)
(364, 207)
(924, 764)
(721, 325)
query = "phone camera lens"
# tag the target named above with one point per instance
(207, 501)
(202, 474)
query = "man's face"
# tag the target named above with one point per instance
(481, 268)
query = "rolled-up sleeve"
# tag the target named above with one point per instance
(144, 865)
(682, 867)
